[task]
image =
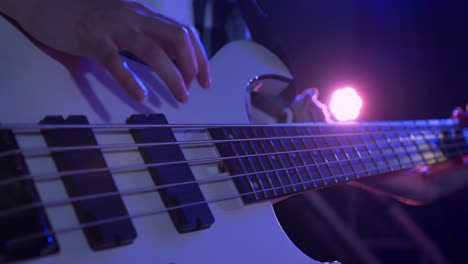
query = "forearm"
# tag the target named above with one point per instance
(421, 186)
(18, 10)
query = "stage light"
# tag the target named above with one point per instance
(345, 104)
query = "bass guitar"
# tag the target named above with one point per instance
(88, 175)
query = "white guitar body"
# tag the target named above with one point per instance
(33, 85)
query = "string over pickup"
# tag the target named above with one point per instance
(187, 218)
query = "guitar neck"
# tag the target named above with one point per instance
(275, 161)
(270, 161)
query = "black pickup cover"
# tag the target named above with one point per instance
(185, 219)
(101, 236)
(17, 225)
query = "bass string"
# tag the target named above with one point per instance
(414, 123)
(126, 146)
(213, 179)
(139, 215)
(135, 167)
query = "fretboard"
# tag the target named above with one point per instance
(267, 161)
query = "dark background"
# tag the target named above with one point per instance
(408, 60)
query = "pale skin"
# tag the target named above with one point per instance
(99, 29)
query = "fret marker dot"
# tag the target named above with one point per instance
(255, 185)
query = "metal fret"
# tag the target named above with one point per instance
(289, 162)
(327, 142)
(425, 147)
(305, 156)
(301, 156)
(344, 158)
(272, 132)
(324, 157)
(346, 141)
(438, 155)
(269, 162)
(240, 133)
(309, 143)
(232, 145)
(389, 142)
(413, 162)
(414, 139)
(254, 145)
(369, 153)
(280, 160)
(318, 155)
(392, 156)
(358, 153)
(406, 155)
(379, 148)
(293, 157)
(410, 142)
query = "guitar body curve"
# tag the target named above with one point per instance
(36, 82)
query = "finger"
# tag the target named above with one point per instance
(145, 48)
(175, 39)
(108, 56)
(144, 8)
(203, 75)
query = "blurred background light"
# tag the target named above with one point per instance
(345, 104)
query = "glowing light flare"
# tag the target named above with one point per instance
(345, 104)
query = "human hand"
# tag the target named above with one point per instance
(424, 183)
(100, 29)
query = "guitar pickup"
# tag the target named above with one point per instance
(101, 236)
(185, 219)
(22, 223)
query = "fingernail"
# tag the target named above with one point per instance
(182, 98)
(186, 97)
(208, 83)
(140, 94)
(141, 91)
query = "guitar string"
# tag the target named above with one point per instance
(433, 122)
(213, 179)
(185, 205)
(126, 146)
(376, 142)
(143, 214)
(135, 167)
